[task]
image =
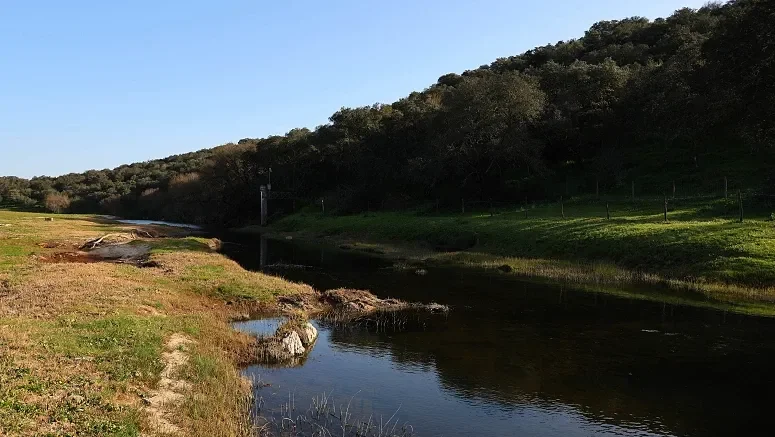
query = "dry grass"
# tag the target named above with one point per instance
(82, 345)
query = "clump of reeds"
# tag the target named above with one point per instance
(325, 418)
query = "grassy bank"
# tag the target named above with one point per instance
(100, 348)
(702, 247)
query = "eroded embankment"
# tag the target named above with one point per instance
(291, 342)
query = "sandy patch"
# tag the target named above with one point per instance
(171, 389)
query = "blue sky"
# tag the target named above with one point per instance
(100, 83)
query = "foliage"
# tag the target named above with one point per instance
(685, 99)
(56, 202)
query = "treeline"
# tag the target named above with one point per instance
(686, 99)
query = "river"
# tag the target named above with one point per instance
(516, 358)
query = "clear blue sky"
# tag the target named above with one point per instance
(96, 84)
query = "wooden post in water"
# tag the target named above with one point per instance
(562, 207)
(740, 202)
(607, 212)
(665, 208)
(264, 203)
(725, 187)
(262, 251)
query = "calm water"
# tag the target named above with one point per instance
(515, 358)
(157, 222)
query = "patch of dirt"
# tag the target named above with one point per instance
(121, 253)
(171, 389)
(68, 257)
(147, 310)
(54, 244)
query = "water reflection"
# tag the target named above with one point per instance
(514, 358)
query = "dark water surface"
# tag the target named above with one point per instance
(157, 222)
(515, 358)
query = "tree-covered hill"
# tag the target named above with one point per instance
(687, 99)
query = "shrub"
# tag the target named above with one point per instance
(57, 202)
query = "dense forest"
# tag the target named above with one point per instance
(687, 99)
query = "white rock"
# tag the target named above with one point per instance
(292, 344)
(308, 334)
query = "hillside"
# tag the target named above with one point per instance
(680, 101)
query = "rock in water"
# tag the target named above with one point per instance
(308, 334)
(292, 344)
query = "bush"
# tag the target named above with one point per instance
(57, 202)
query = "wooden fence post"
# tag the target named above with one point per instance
(725, 187)
(740, 202)
(525, 206)
(607, 212)
(562, 207)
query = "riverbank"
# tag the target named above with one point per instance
(126, 335)
(700, 249)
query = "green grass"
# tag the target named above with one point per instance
(85, 410)
(170, 245)
(702, 242)
(123, 346)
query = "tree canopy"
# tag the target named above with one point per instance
(686, 98)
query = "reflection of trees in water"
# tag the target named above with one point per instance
(515, 344)
(595, 358)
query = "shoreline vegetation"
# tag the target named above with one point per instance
(701, 255)
(131, 334)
